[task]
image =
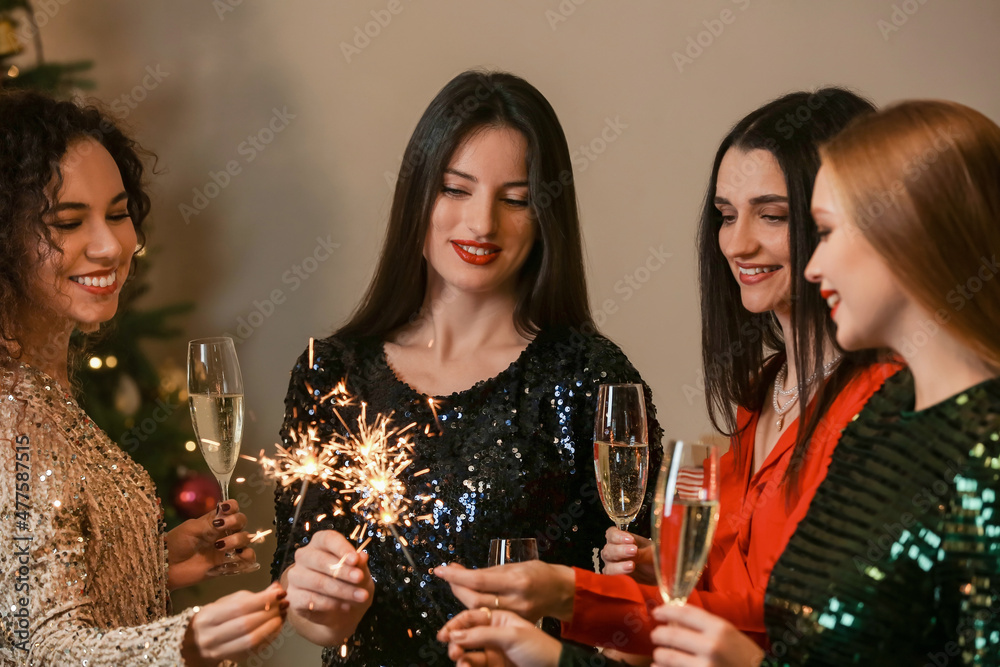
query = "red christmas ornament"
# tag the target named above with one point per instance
(196, 495)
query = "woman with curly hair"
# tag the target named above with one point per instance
(85, 566)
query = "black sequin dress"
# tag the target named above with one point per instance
(514, 459)
(898, 560)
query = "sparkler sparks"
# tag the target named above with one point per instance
(259, 536)
(362, 464)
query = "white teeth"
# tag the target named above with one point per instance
(474, 250)
(755, 271)
(832, 300)
(103, 281)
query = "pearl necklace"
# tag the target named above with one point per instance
(779, 382)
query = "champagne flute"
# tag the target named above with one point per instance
(215, 394)
(621, 450)
(512, 550)
(685, 513)
(516, 550)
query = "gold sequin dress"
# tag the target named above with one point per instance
(83, 561)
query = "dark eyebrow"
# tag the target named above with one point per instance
(461, 174)
(470, 177)
(77, 206)
(769, 199)
(763, 199)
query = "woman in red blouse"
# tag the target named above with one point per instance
(755, 237)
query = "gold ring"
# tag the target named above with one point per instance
(496, 601)
(489, 615)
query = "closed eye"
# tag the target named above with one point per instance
(727, 218)
(453, 192)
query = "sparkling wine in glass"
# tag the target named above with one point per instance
(512, 550)
(621, 450)
(215, 394)
(685, 512)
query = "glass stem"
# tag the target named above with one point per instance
(224, 484)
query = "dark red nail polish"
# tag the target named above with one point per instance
(282, 595)
(240, 550)
(220, 544)
(284, 605)
(225, 507)
(218, 523)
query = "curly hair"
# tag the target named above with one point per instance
(35, 134)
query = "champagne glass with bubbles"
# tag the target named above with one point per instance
(215, 394)
(685, 512)
(621, 450)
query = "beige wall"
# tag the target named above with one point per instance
(223, 73)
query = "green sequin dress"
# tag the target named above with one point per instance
(898, 559)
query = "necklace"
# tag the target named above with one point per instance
(779, 382)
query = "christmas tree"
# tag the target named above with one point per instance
(19, 26)
(141, 406)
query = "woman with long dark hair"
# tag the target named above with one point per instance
(762, 322)
(476, 325)
(86, 568)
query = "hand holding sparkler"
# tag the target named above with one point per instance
(329, 588)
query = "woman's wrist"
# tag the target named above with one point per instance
(189, 648)
(566, 586)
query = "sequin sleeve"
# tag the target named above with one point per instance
(49, 532)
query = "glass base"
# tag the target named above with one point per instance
(233, 567)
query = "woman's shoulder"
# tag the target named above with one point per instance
(337, 354)
(585, 345)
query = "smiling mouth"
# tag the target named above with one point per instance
(477, 250)
(477, 254)
(757, 269)
(104, 280)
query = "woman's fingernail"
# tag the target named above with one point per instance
(220, 544)
(285, 604)
(218, 523)
(282, 595)
(458, 634)
(631, 551)
(239, 550)
(225, 507)
(360, 595)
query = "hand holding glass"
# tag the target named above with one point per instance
(513, 550)
(685, 512)
(215, 394)
(621, 450)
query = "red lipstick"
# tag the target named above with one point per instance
(492, 252)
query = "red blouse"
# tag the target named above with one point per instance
(755, 524)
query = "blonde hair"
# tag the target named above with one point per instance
(921, 181)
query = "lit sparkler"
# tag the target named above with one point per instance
(363, 464)
(375, 455)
